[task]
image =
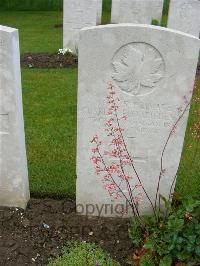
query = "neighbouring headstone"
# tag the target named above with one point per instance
(157, 9)
(14, 187)
(99, 11)
(136, 11)
(184, 15)
(153, 80)
(77, 15)
(115, 11)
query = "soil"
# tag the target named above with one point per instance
(48, 60)
(32, 236)
(52, 60)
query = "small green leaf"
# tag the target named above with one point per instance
(166, 261)
(148, 245)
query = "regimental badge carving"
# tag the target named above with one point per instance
(187, 13)
(4, 124)
(138, 68)
(186, 10)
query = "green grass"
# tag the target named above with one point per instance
(106, 15)
(36, 29)
(166, 7)
(165, 13)
(188, 182)
(39, 5)
(50, 123)
(31, 5)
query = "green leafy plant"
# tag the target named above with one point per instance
(82, 253)
(174, 237)
(155, 22)
(147, 260)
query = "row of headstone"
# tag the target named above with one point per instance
(152, 71)
(183, 16)
(86, 13)
(14, 186)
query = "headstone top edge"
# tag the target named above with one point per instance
(7, 29)
(121, 25)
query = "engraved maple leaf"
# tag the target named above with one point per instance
(137, 68)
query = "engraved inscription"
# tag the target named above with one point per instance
(4, 188)
(134, 12)
(138, 68)
(186, 10)
(143, 118)
(187, 14)
(2, 43)
(136, 156)
(4, 124)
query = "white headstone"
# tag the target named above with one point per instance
(14, 187)
(99, 11)
(77, 15)
(157, 9)
(115, 11)
(136, 11)
(152, 79)
(184, 15)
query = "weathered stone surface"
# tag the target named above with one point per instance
(77, 15)
(153, 79)
(136, 11)
(14, 188)
(157, 9)
(115, 11)
(184, 15)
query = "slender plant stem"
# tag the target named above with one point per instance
(163, 152)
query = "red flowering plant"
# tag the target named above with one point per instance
(119, 176)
